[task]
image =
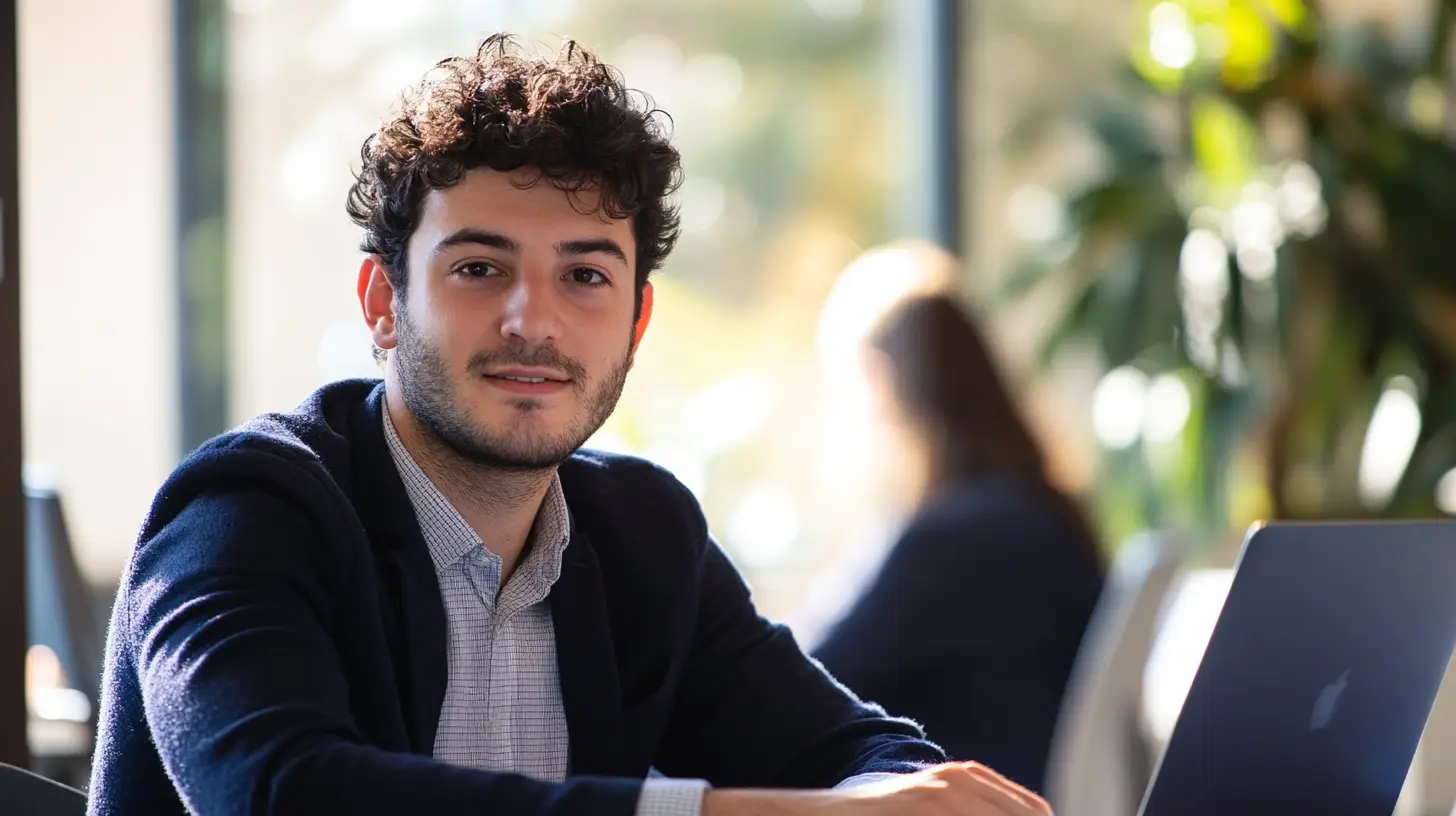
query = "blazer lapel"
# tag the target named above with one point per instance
(425, 642)
(411, 591)
(590, 689)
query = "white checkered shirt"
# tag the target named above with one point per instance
(502, 710)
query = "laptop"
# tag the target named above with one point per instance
(1319, 676)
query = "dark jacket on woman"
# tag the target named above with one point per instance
(973, 623)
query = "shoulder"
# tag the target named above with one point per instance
(622, 485)
(988, 502)
(634, 510)
(268, 497)
(991, 521)
(299, 457)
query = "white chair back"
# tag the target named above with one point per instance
(1099, 761)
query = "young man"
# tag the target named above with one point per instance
(418, 596)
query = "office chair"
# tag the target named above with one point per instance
(58, 604)
(1099, 763)
(61, 617)
(24, 792)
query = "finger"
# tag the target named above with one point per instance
(992, 800)
(974, 777)
(1006, 781)
(1010, 790)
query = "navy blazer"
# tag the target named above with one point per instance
(278, 644)
(973, 624)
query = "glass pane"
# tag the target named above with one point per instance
(789, 116)
(98, 305)
(1039, 71)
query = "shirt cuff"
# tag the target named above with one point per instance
(662, 796)
(864, 779)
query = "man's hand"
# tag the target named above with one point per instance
(959, 788)
(954, 789)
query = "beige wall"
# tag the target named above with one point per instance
(96, 308)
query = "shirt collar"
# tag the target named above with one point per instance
(450, 538)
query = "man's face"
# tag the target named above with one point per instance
(514, 335)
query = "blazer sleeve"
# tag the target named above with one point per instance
(228, 622)
(753, 711)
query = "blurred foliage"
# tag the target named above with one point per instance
(1270, 222)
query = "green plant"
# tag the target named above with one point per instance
(1273, 224)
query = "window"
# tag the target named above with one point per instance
(795, 119)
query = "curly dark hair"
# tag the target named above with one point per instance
(569, 119)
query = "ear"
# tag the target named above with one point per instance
(376, 299)
(643, 318)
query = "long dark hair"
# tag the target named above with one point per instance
(945, 379)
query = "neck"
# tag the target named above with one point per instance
(499, 505)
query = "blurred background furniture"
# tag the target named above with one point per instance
(22, 792)
(1100, 762)
(63, 666)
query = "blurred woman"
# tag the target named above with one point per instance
(973, 621)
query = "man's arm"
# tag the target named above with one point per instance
(244, 692)
(753, 711)
(753, 714)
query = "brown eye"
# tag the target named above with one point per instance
(588, 277)
(476, 269)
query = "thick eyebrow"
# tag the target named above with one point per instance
(590, 246)
(470, 235)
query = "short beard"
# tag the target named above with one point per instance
(425, 384)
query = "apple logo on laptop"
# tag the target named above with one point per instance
(1328, 701)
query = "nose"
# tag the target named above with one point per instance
(532, 311)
